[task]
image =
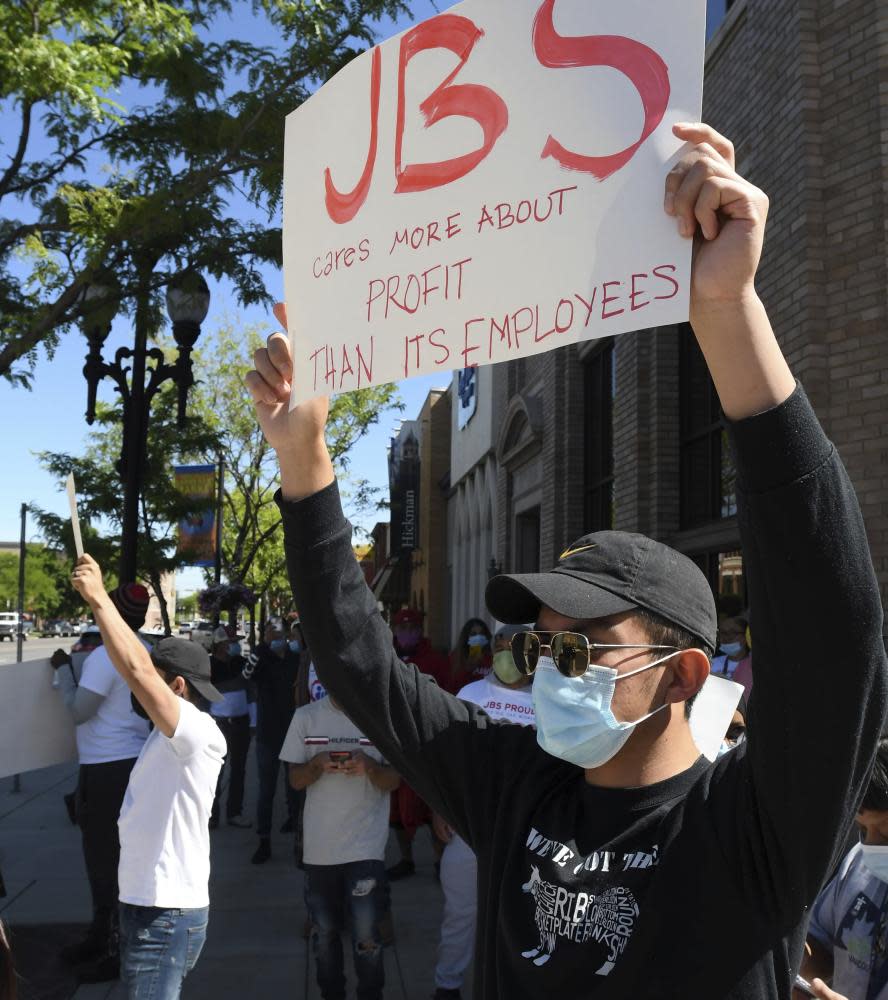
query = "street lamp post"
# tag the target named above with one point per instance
(187, 301)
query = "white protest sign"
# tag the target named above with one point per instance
(75, 518)
(36, 730)
(712, 712)
(489, 185)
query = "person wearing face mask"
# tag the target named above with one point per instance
(164, 844)
(735, 659)
(110, 737)
(408, 810)
(615, 861)
(472, 657)
(273, 669)
(504, 694)
(848, 934)
(232, 715)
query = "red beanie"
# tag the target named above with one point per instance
(131, 600)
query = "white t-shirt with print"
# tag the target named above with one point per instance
(500, 702)
(115, 732)
(850, 919)
(164, 836)
(346, 817)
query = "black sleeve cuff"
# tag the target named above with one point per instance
(778, 447)
(313, 520)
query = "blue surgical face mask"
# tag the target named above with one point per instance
(477, 640)
(573, 714)
(731, 648)
(234, 649)
(277, 645)
(295, 646)
(875, 858)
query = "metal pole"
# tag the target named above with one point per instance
(220, 472)
(135, 421)
(21, 587)
(16, 778)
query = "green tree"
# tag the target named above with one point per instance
(98, 490)
(48, 590)
(91, 189)
(252, 549)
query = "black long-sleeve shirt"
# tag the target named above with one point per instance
(695, 887)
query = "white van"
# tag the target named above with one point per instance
(9, 623)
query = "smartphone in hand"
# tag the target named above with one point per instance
(339, 757)
(803, 986)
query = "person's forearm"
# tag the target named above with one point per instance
(305, 469)
(304, 775)
(386, 779)
(80, 702)
(745, 361)
(127, 654)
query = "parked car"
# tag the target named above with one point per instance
(9, 625)
(59, 627)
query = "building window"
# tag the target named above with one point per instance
(716, 12)
(600, 389)
(527, 541)
(707, 471)
(726, 576)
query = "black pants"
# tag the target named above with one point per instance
(237, 738)
(100, 791)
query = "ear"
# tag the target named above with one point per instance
(690, 668)
(179, 687)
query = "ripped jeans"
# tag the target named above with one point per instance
(357, 892)
(158, 948)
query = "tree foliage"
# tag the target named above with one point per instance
(93, 192)
(48, 590)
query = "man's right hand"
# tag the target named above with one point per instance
(296, 435)
(324, 764)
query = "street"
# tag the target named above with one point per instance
(33, 648)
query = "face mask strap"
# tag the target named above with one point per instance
(647, 666)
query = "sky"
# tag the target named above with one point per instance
(51, 416)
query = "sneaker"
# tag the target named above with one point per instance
(103, 970)
(287, 826)
(442, 994)
(240, 822)
(263, 851)
(403, 869)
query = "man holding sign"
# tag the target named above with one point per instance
(614, 861)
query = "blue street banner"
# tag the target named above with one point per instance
(197, 531)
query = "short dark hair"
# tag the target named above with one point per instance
(663, 632)
(876, 796)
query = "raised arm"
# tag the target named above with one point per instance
(129, 656)
(817, 709)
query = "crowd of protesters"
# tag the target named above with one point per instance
(585, 846)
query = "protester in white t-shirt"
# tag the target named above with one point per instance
(345, 828)
(110, 737)
(505, 695)
(164, 837)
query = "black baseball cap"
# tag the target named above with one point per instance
(606, 573)
(186, 659)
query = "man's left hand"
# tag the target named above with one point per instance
(87, 580)
(824, 992)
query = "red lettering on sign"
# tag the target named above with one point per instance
(646, 70)
(666, 277)
(481, 104)
(344, 207)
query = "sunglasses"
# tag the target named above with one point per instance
(571, 651)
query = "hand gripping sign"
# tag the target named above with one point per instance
(489, 185)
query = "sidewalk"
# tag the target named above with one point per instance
(255, 949)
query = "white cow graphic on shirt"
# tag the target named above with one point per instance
(545, 894)
(607, 919)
